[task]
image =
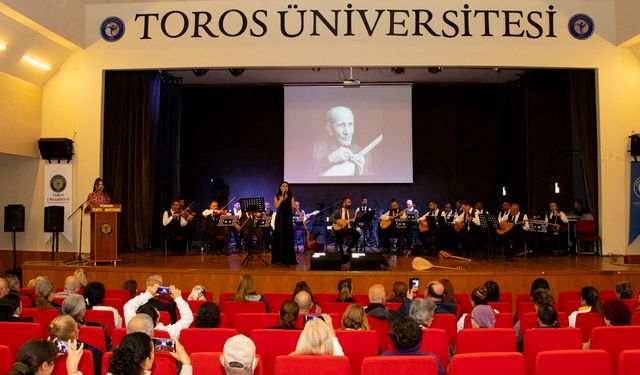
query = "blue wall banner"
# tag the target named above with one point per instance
(634, 207)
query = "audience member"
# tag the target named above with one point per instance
(141, 323)
(239, 356)
(11, 308)
(589, 302)
(74, 306)
(449, 295)
(247, 291)
(289, 311)
(81, 277)
(623, 290)
(616, 313)
(354, 318)
(197, 293)
(32, 283)
(318, 337)
(547, 318)
(538, 283)
(71, 286)
(434, 292)
(162, 302)
(483, 316)
(37, 357)
(376, 308)
(14, 287)
(63, 328)
(345, 289)
(305, 304)
(422, 311)
(303, 286)
(406, 336)
(399, 292)
(208, 316)
(140, 304)
(4, 287)
(493, 291)
(135, 355)
(44, 295)
(94, 293)
(131, 286)
(540, 297)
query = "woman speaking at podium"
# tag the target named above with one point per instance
(98, 196)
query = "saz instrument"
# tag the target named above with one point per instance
(423, 223)
(310, 243)
(384, 224)
(348, 168)
(460, 225)
(421, 264)
(506, 226)
(443, 254)
(342, 223)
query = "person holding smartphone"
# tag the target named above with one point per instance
(140, 304)
(135, 356)
(318, 337)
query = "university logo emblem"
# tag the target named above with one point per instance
(58, 183)
(581, 26)
(636, 187)
(112, 29)
(106, 229)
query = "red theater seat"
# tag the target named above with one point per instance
(14, 335)
(42, 317)
(567, 295)
(205, 339)
(311, 365)
(93, 336)
(522, 297)
(449, 323)
(635, 318)
(208, 363)
(629, 362)
(464, 304)
(85, 366)
(631, 303)
(245, 322)
(121, 294)
(435, 340)
(231, 308)
(165, 318)
(116, 304)
(265, 338)
(525, 308)
(579, 362)
(358, 345)
(382, 327)
(487, 363)
(606, 295)
(6, 359)
(103, 317)
(393, 305)
(26, 301)
(275, 300)
(335, 307)
(544, 339)
(29, 291)
(587, 322)
(194, 305)
(482, 340)
(400, 365)
(614, 340)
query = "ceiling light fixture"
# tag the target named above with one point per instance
(351, 82)
(2, 46)
(35, 62)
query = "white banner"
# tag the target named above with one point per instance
(58, 191)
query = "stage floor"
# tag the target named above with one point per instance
(220, 273)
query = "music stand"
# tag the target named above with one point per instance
(489, 223)
(364, 222)
(252, 250)
(539, 228)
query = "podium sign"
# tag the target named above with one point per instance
(104, 232)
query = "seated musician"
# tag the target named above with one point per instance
(388, 219)
(266, 231)
(248, 227)
(173, 225)
(211, 229)
(466, 225)
(555, 220)
(506, 208)
(342, 221)
(364, 227)
(190, 215)
(412, 229)
(480, 207)
(298, 227)
(237, 236)
(516, 236)
(447, 234)
(432, 222)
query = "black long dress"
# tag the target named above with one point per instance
(283, 249)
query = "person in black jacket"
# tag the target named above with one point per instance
(11, 308)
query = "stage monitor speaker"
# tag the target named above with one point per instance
(14, 218)
(56, 148)
(635, 145)
(326, 262)
(54, 219)
(367, 262)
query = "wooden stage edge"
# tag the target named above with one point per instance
(220, 273)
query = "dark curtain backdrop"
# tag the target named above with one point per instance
(131, 104)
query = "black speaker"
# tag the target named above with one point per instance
(367, 262)
(56, 148)
(326, 262)
(14, 218)
(54, 219)
(634, 149)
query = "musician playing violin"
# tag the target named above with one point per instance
(211, 219)
(248, 228)
(173, 225)
(343, 217)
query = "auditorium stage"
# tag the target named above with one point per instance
(220, 273)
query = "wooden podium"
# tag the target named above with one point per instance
(104, 233)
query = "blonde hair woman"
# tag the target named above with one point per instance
(354, 318)
(65, 329)
(247, 291)
(318, 338)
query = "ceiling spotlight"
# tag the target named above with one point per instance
(496, 70)
(435, 69)
(199, 72)
(364, 68)
(351, 82)
(398, 70)
(315, 69)
(236, 71)
(35, 62)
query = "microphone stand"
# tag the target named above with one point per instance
(78, 259)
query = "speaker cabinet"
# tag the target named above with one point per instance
(54, 219)
(326, 262)
(14, 218)
(367, 262)
(56, 148)
(635, 145)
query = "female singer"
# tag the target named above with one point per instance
(283, 250)
(98, 196)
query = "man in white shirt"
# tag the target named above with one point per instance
(515, 238)
(466, 225)
(139, 304)
(555, 220)
(174, 228)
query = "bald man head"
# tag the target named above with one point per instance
(340, 124)
(71, 284)
(377, 294)
(141, 323)
(435, 291)
(303, 299)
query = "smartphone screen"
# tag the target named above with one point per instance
(414, 283)
(312, 317)
(164, 345)
(163, 290)
(62, 347)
